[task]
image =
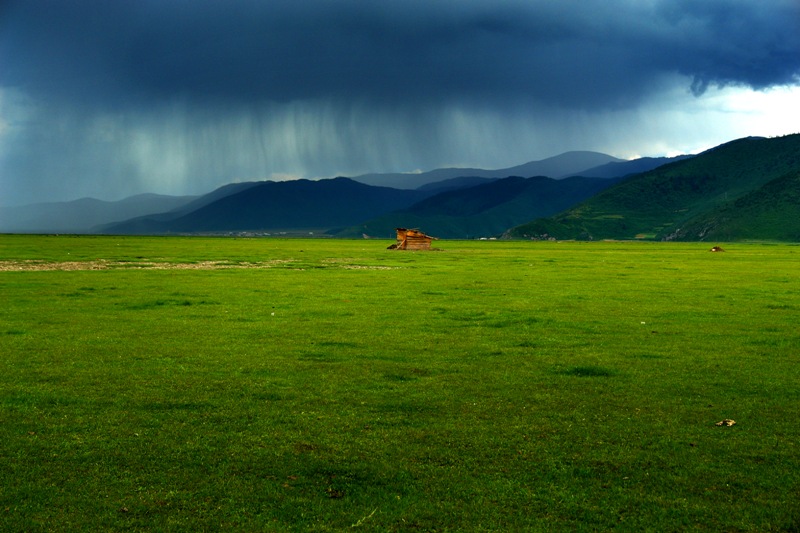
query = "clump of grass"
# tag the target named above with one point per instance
(589, 372)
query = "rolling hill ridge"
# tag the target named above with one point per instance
(743, 189)
(270, 205)
(80, 216)
(772, 210)
(485, 210)
(333, 204)
(89, 215)
(678, 200)
(560, 166)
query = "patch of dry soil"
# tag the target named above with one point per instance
(35, 265)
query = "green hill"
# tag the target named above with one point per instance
(769, 213)
(664, 203)
(484, 210)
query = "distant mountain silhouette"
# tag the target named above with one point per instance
(216, 194)
(485, 210)
(564, 165)
(265, 206)
(614, 169)
(81, 216)
(617, 169)
(743, 189)
(453, 184)
(152, 217)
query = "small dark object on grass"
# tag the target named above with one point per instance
(727, 422)
(589, 371)
(716, 249)
(334, 494)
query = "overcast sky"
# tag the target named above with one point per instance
(109, 98)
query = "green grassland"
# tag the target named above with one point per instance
(200, 384)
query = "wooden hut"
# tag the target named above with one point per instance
(412, 239)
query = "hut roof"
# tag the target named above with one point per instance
(412, 239)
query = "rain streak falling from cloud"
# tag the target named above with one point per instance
(108, 99)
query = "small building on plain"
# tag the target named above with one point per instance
(412, 239)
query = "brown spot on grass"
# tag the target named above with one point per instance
(102, 264)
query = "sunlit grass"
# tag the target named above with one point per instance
(491, 385)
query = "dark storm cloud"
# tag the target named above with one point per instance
(115, 97)
(573, 54)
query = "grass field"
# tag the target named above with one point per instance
(198, 384)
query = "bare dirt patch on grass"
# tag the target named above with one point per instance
(32, 265)
(102, 264)
(347, 264)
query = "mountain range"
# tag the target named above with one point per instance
(457, 207)
(561, 166)
(143, 213)
(278, 205)
(484, 210)
(80, 216)
(744, 189)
